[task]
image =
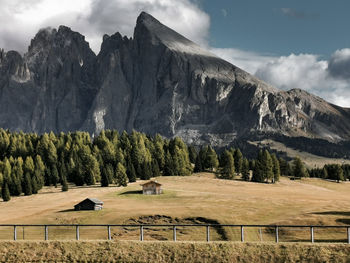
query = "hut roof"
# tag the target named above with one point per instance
(151, 182)
(93, 200)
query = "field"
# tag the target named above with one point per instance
(197, 199)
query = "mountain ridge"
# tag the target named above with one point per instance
(156, 82)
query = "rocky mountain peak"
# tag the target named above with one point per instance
(150, 29)
(157, 82)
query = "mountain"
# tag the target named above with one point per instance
(156, 82)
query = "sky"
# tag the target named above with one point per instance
(287, 43)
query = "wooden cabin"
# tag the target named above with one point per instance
(89, 204)
(152, 188)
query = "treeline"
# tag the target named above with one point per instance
(28, 161)
(332, 172)
(230, 163)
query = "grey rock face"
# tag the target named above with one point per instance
(156, 82)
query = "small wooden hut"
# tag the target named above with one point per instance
(152, 188)
(89, 204)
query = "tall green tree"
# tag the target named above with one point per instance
(299, 169)
(228, 168)
(238, 157)
(121, 177)
(276, 168)
(211, 159)
(64, 184)
(130, 171)
(245, 170)
(192, 153)
(5, 193)
(27, 184)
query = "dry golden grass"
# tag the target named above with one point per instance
(102, 251)
(308, 201)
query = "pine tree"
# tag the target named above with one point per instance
(27, 184)
(299, 169)
(29, 166)
(17, 177)
(107, 175)
(121, 177)
(169, 165)
(211, 160)
(155, 168)
(54, 178)
(245, 170)
(130, 171)
(228, 168)
(64, 184)
(198, 164)
(5, 193)
(339, 175)
(39, 171)
(276, 168)
(192, 153)
(35, 187)
(259, 168)
(324, 173)
(147, 171)
(238, 157)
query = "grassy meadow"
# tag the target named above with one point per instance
(197, 199)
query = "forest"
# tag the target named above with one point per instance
(29, 161)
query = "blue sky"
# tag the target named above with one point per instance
(279, 26)
(289, 44)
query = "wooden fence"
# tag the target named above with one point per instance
(74, 232)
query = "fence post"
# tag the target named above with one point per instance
(46, 233)
(77, 232)
(208, 233)
(15, 233)
(141, 233)
(109, 232)
(242, 233)
(174, 233)
(276, 228)
(312, 234)
(348, 235)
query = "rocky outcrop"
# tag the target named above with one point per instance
(156, 82)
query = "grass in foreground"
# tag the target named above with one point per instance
(103, 251)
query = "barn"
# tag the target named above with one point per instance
(89, 204)
(152, 188)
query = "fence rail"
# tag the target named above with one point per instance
(275, 231)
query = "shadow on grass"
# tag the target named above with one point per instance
(336, 213)
(345, 221)
(66, 210)
(135, 192)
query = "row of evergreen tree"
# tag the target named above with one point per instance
(28, 161)
(335, 172)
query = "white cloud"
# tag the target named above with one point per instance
(339, 64)
(247, 60)
(21, 20)
(327, 79)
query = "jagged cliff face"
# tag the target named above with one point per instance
(156, 82)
